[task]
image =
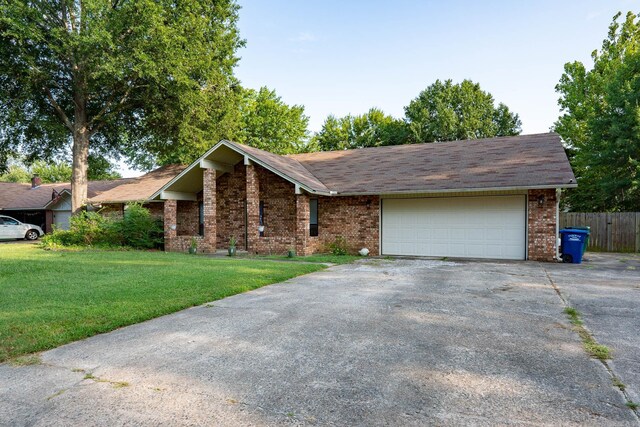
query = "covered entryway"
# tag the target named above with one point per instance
(467, 227)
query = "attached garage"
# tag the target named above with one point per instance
(465, 227)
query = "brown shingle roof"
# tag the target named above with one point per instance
(287, 165)
(22, 196)
(138, 189)
(508, 162)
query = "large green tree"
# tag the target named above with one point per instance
(372, 129)
(270, 124)
(600, 122)
(150, 80)
(57, 171)
(446, 112)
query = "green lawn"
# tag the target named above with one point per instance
(52, 298)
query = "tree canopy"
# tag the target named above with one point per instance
(600, 122)
(269, 124)
(446, 112)
(99, 169)
(371, 129)
(443, 112)
(149, 80)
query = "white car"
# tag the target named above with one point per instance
(11, 228)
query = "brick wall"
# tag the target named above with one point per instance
(156, 209)
(170, 208)
(302, 225)
(230, 198)
(279, 200)
(542, 224)
(209, 239)
(187, 218)
(252, 193)
(48, 221)
(356, 218)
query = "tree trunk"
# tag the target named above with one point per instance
(80, 146)
(80, 161)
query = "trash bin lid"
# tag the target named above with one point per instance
(574, 231)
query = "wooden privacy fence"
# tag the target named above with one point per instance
(611, 232)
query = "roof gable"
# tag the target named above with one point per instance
(230, 153)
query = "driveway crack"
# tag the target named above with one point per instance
(615, 379)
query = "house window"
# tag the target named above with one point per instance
(261, 223)
(201, 218)
(313, 217)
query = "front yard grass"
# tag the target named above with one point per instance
(51, 298)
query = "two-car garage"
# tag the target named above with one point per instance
(466, 227)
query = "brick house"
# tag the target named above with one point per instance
(488, 198)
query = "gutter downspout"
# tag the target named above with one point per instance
(558, 194)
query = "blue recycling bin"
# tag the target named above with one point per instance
(573, 243)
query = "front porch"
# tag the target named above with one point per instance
(241, 200)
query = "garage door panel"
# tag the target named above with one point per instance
(478, 227)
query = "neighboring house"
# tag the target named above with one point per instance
(489, 198)
(48, 205)
(45, 205)
(114, 200)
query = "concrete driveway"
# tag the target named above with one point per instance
(401, 342)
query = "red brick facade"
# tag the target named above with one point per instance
(187, 218)
(230, 198)
(232, 208)
(279, 220)
(252, 191)
(356, 218)
(541, 208)
(285, 221)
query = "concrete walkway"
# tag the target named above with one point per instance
(402, 342)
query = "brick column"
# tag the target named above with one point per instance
(302, 224)
(170, 217)
(542, 224)
(209, 204)
(253, 208)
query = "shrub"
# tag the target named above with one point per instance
(59, 238)
(91, 228)
(339, 246)
(137, 229)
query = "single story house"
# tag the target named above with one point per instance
(44, 205)
(49, 205)
(486, 198)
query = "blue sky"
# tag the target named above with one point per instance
(340, 57)
(347, 56)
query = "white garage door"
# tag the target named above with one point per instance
(61, 219)
(467, 227)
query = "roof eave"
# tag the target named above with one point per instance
(42, 208)
(112, 202)
(457, 190)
